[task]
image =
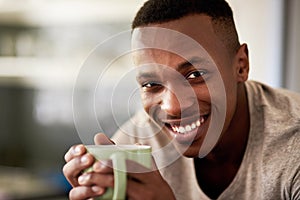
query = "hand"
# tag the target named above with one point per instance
(148, 185)
(142, 183)
(78, 160)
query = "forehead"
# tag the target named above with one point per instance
(158, 56)
(187, 37)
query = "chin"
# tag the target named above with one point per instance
(191, 151)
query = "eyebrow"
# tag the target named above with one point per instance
(145, 75)
(190, 62)
(180, 67)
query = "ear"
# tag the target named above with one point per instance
(242, 63)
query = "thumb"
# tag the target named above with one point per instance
(102, 139)
(154, 165)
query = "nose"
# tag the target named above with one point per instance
(175, 103)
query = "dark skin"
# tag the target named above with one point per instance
(215, 175)
(218, 168)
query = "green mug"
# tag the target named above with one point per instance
(119, 154)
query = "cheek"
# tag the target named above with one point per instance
(148, 102)
(231, 100)
(216, 93)
(202, 93)
(230, 83)
(231, 94)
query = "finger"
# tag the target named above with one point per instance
(76, 150)
(101, 180)
(135, 190)
(102, 139)
(133, 194)
(154, 166)
(84, 192)
(103, 166)
(141, 173)
(73, 168)
(134, 167)
(147, 177)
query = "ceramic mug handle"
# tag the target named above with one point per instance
(120, 178)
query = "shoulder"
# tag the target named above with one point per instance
(277, 98)
(278, 112)
(280, 107)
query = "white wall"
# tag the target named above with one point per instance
(259, 24)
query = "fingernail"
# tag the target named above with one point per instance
(82, 179)
(98, 166)
(84, 160)
(97, 189)
(77, 150)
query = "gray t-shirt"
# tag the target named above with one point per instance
(270, 169)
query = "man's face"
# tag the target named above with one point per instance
(190, 95)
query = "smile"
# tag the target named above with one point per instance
(186, 130)
(189, 127)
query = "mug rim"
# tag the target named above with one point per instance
(119, 146)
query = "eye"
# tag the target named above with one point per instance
(151, 86)
(196, 74)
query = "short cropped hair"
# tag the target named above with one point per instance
(161, 11)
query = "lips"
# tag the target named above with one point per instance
(188, 129)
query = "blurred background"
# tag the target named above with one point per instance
(43, 44)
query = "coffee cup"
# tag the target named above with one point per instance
(118, 154)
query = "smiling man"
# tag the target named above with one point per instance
(214, 134)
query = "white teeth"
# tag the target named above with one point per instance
(193, 126)
(187, 128)
(181, 129)
(202, 119)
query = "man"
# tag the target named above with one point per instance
(239, 139)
